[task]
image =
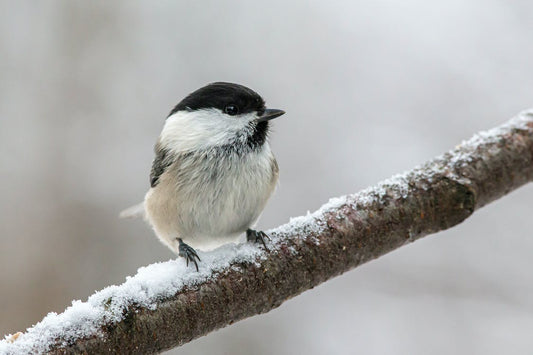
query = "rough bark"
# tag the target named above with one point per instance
(342, 235)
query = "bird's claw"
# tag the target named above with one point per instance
(257, 237)
(188, 253)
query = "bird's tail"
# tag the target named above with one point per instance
(136, 211)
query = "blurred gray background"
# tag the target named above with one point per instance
(371, 88)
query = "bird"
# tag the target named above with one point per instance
(213, 171)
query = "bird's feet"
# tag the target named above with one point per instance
(188, 253)
(257, 237)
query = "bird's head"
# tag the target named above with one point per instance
(219, 114)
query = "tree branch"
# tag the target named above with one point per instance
(166, 304)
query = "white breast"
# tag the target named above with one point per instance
(209, 199)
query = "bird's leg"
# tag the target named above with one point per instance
(188, 253)
(257, 237)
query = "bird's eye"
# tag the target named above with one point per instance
(231, 110)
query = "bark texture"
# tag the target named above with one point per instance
(347, 232)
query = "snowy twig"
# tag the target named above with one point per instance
(167, 304)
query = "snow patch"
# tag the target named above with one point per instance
(152, 283)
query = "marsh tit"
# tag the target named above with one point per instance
(213, 170)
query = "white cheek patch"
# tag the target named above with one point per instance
(201, 129)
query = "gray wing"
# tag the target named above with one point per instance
(161, 161)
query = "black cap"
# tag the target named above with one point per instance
(220, 95)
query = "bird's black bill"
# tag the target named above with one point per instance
(270, 113)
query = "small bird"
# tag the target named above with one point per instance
(213, 170)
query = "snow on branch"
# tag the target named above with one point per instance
(167, 304)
